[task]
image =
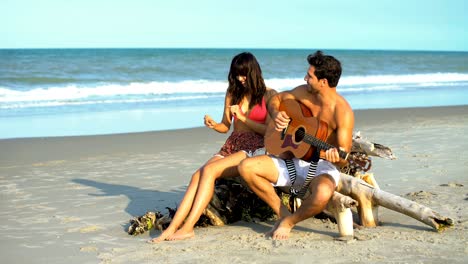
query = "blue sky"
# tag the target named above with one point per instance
(327, 24)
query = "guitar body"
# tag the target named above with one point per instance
(290, 140)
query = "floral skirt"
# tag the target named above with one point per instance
(237, 141)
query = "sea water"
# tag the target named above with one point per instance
(62, 92)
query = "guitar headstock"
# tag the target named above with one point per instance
(359, 161)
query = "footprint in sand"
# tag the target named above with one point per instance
(50, 163)
(87, 229)
(66, 220)
(88, 249)
(452, 184)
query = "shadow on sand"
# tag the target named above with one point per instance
(140, 200)
(143, 200)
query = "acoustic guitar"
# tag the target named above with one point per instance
(304, 135)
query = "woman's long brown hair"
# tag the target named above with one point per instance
(246, 64)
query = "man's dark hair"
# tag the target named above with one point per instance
(326, 67)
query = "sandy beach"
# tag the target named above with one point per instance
(70, 199)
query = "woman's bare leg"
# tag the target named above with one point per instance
(226, 167)
(185, 205)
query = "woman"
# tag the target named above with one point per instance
(245, 104)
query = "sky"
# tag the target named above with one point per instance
(325, 24)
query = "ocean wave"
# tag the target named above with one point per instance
(102, 102)
(73, 92)
(415, 79)
(199, 89)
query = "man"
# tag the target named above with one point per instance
(263, 173)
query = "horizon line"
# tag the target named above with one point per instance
(228, 48)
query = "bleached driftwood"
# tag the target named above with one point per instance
(369, 197)
(368, 212)
(215, 218)
(361, 145)
(340, 207)
(364, 188)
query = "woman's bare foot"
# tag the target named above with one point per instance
(181, 234)
(164, 235)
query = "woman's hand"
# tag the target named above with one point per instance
(237, 112)
(209, 122)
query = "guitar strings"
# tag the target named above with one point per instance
(319, 143)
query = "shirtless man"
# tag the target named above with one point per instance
(263, 173)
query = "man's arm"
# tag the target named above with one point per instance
(280, 118)
(344, 134)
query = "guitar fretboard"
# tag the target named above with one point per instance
(309, 139)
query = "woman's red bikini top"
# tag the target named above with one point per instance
(258, 113)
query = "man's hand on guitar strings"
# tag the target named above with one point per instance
(281, 121)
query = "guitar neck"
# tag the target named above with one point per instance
(323, 145)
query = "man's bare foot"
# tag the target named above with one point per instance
(275, 226)
(284, 212)
(282, 231)
(164, 235)
(181, 234)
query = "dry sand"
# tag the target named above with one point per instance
(69, 199)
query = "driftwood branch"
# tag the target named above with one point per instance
(215, 218)
(340, 207)
(369, 197)
(361, 145)
(412, 209)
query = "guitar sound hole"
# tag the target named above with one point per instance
(299, 134)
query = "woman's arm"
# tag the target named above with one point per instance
(225, 124)
(257, 127)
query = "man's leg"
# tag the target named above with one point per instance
(260, 173)
(321, 190)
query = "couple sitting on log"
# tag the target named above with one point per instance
(310, 115)
(297, 116)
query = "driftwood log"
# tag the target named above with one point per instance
(361, 145)
(339, 207)
(233, 201)
(370, 197)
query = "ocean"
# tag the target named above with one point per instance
(68, 92)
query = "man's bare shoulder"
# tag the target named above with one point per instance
(298, 91)
(270, 92)
(343, 110)
(286, 95)
(343, 104)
